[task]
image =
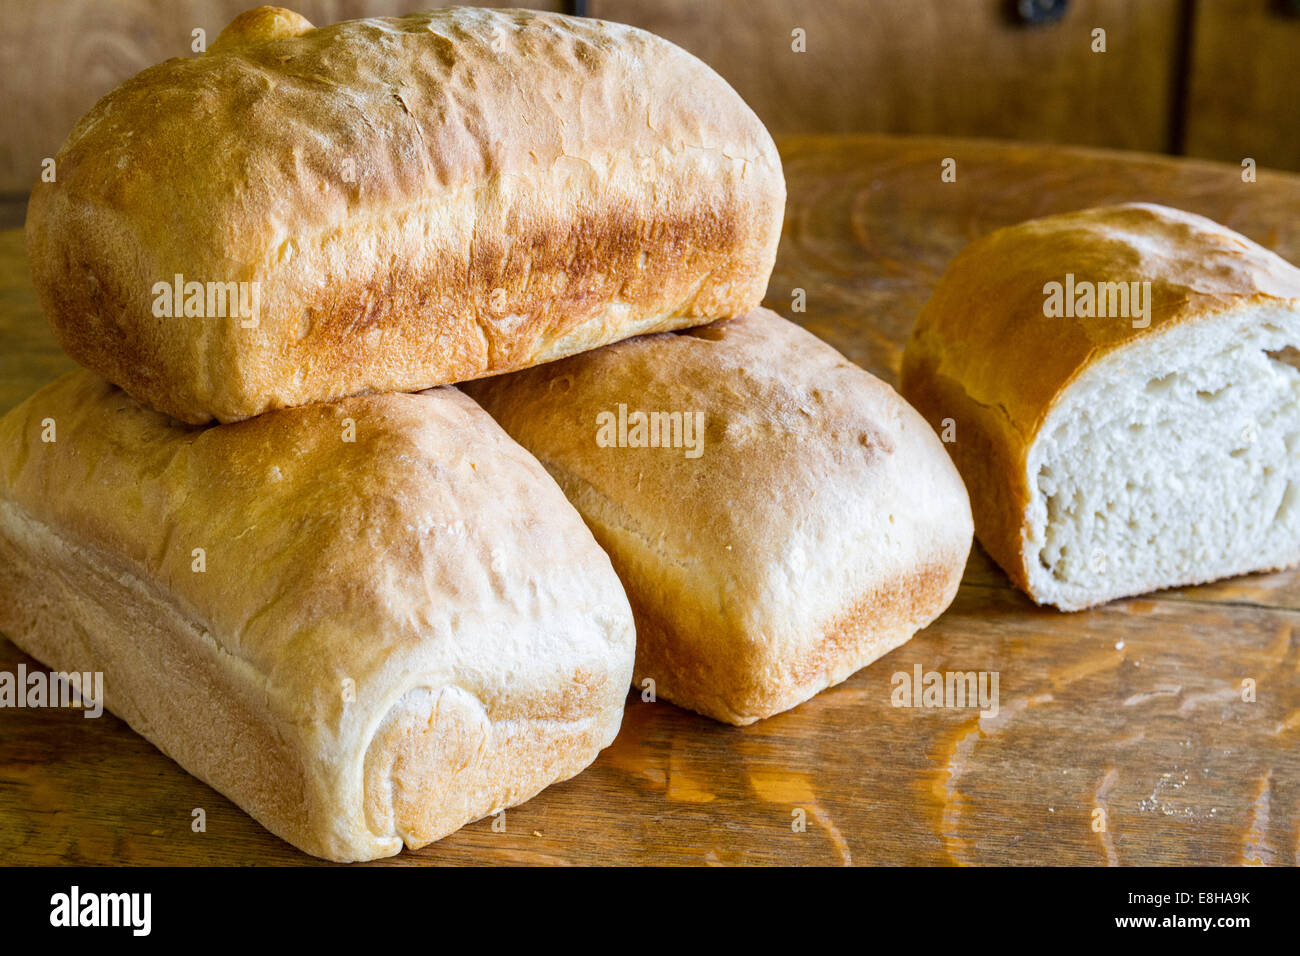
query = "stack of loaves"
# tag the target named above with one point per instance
(345, 593)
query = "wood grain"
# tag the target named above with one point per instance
(1244, 83)
(935, 66)
(1134, 709)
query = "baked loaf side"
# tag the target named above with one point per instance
(815, 525)
(1112, 454)
(362, 643)
(400, 203)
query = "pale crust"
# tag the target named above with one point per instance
(423, 200)
(392, 637)
(983, 355)
(821, 526)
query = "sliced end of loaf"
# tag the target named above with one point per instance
(1171, 462)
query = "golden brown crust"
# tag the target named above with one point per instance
(988, 452)
(389, 638)
(422, 200)
(985, 357)
(820, 525)
(738, 689)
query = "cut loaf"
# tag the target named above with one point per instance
(1113, 455)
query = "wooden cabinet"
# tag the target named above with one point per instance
(1213, 78)
(1244, 88)
(951, 67)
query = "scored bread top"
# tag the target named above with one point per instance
(423, 199)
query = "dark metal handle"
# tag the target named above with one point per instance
(1038, 13)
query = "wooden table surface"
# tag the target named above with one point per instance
(1134, 708)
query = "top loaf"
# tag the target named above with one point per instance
(301, 214)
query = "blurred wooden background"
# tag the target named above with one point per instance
(1210, 78)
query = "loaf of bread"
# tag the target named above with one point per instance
(779, 517)
(368, 623)
(303, 214)
(1121, 385)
